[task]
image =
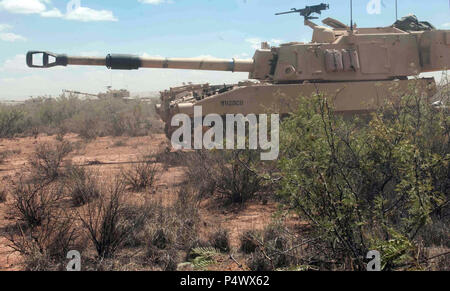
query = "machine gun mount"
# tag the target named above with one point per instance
(308, 11)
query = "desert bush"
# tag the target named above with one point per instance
(3, 196)
(248, 242)
(47, 160)
(162, 250)
(171, 228)
(442, 263)
(61, 133)
(175, 226)
(81, 185)
(161, 239)
(45, 247)
(166, 260)
(227, 173)
(202, 257)
(258, 262)
(141, 176)
(169, 231)
(119, 143)
(143, 231)
(105, 220)
(436, 234)
(11, 121)
(115, 117)
(220, 240)
(274, 248)
(3, 156)
(89, 118)
(170, 159)
(44, 231)
(35, 203)
(236, 181)
(366, 185)
(6, 154)
(202, 169)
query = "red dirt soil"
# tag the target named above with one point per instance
(107, 156)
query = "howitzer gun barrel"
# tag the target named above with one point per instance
(199, 64)
(130, 62)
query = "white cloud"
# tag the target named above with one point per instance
(74, 10)
(255, 42)
(275, 41)
(5, 27)
(446, 24)
(23, 6)
(11, 37)
(206, 58)
(15, 65)
(53, 13)
(91, 54)
(146, 55)
(242, 56)
(86, 14)
(155, 2)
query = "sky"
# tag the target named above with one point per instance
(170, 28)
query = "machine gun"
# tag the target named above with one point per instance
(308, 11)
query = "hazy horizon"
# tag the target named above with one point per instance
(167, 28)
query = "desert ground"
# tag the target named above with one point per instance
(100, 177)
(107, 156)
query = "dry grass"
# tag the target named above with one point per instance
(220, 240)
(82, 186)
(47, 160)
(105, 223)
(3, 196)
(141, 176)
(34, 203)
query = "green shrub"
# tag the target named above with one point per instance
(11, 121)
(88, 118)
(202, 257)
(362, 185)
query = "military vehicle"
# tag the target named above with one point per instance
(87, 95)
(359, 68)
(122, 93)
(110, 93)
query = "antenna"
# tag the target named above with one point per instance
(351, 15)
(396, 9)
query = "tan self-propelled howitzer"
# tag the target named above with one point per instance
(119, 94)
(358, 67)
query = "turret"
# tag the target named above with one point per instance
(337, 53)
